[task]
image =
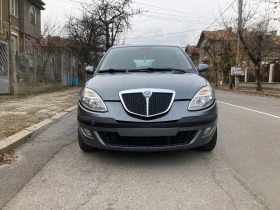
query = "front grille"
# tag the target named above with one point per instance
(135, 102)
(157, 102)
(114, 139)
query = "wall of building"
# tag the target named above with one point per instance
(4, 25)
(275, 86)
(25, 26)
(24, 88)
(33, 76)
(6, 19)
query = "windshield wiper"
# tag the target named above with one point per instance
(156, 69)
(112, 70)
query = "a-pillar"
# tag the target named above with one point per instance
(271, 72)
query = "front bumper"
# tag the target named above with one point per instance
(176, 130)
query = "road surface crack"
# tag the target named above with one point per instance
(214, 177)
(102, 181)
(234, 175)
(252, 193)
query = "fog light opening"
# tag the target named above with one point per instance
(207, 131)
(87, 132)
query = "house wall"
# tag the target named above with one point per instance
(4, 25)
(6, 19)
(59, 71)
(24, 88)
(9, 35)
(25, 26)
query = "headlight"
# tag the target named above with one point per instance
(202, 99)
(92, 101)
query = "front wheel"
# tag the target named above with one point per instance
(211, 144)
(84, 147)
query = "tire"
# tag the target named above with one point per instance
(211, 144)
(83, 146)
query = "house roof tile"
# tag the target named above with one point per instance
(192, 49)
(55, 41)
(220, 34)
(227, 35)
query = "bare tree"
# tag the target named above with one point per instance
(102, 24)
(48, 46)
(85, 38)
(220, 48)
(256, 43)
(255, 39)
(114, 18)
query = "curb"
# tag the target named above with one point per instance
(250, 93)
(17, 139)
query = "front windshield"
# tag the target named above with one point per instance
(133, 58)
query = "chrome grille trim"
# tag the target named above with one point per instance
(152, 90)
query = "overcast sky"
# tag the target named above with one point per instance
(183, 20)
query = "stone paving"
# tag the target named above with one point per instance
(20, 112)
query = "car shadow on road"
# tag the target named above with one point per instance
(151, 159)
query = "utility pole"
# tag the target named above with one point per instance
(239, 30)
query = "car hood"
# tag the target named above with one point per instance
(108, 85)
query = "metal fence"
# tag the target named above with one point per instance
(4, 68)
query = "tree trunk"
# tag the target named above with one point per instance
(107, 37)
(216, 75)
(258, 76)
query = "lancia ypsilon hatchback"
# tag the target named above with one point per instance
(147, 98)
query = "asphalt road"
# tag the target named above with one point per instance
(241, 173)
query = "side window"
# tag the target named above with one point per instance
(32, 15)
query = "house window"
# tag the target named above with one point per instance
(13, 7)
(32, 15)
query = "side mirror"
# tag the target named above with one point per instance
(90, 70)
(202, 68)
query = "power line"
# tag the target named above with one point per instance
(167, 18)
(181, 32)
(149, 5)
(195, 17)
(215, 20)
(176, 20)
(189, 30)
(175, 15)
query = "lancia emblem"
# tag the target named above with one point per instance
(147, 94)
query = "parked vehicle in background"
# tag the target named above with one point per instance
(147, 98)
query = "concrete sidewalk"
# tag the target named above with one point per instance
(22, 115)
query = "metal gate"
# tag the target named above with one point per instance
(4, 68)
